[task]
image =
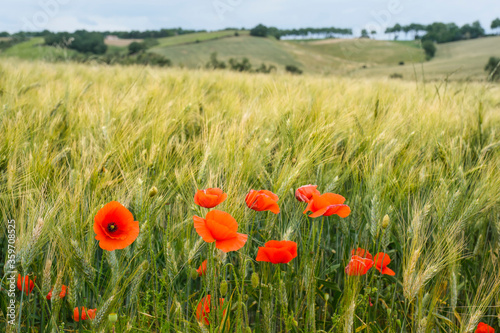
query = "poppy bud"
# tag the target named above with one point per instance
(223, 288)
(194, 274)
(245, 297)
(153, 191)
(385, 221)
(327, 297)
(255, 280)
(113, 317)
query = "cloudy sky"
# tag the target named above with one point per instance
(69, 15)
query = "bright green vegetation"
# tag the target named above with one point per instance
(34, 49)
(464, 60)
(74, 137)
(257, 50)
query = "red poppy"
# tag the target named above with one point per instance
(86, 313)
(202, 269)
(61, 294)
(358, 265)
(381, 261)
(115, 227)
(277, 252)
(361, 253)
(221, 228)
(262, 200)
(484, 328)
(210, 197)
(305, 193)
(28, 283)
(203, 309)
(327, 204)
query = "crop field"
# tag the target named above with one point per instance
(100, 172)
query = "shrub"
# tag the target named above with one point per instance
(266, 69)
(214, 63)
(401, 63)
(243, 66)
(396, 76)
(136, 47)
(429, 48)
(293, 69)
(493, 69)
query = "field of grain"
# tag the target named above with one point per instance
(418, 165)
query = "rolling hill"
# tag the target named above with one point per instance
(463, 60)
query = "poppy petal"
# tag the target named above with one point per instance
(388, 271)
(232, 244)
(319, 212)
(202, 230)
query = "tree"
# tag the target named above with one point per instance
(496, 25)
(214, 63)
(364, 34)
(294, 69)
(429, 48)
(493, 69)
(136, 47)
(259, 31)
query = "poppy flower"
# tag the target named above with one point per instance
(221, 228)
(262, 200)
(277, 252)
(484, 328)
(210, 197)
(86, 313)
(327, 204)
(203, 309)
(28, 284)
(381, 261)
(361, 253)
(305, 193)
(202, 269)
(358, 266)
(61, 294)
(115, 227)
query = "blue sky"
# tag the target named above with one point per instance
(69, 15)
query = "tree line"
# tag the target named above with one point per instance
(263, 31)
(439, 32)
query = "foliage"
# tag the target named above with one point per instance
(429, 48)
(293, 69)
(493, 69)
(266, 69)
(327, 32)
(243, 66)
(81, 41)
(495, 24)
(259, 31)
(74, 137)
(214, 63)
(136, 47)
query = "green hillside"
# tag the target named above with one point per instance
(257, 50)
(352, 57)
(34, 49)
(464, 60)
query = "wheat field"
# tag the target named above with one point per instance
(75, 137)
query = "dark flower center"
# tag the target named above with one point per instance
(112, 227)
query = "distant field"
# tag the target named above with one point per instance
(199, 37)
(464, 60)
(34, 49)
(120, 42)
(257, 50)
